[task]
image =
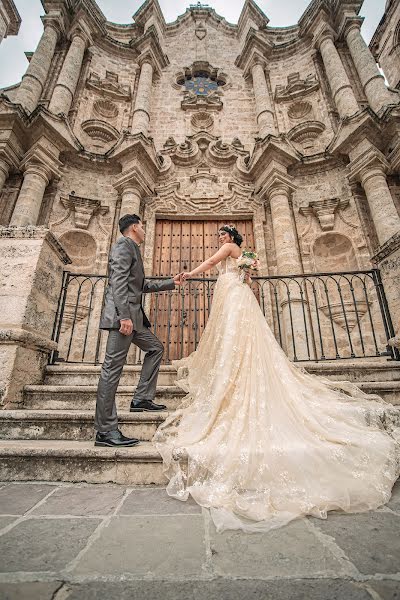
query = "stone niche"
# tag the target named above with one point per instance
(81, 248)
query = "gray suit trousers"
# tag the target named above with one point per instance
(117, 349)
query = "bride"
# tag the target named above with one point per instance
(259, 441)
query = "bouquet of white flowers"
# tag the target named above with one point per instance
(247, 262)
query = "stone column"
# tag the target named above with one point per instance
(342, 91)
(372, 81)
(29, 201)
(265, 115)
(141, 114)
(289, 263)
(64, 91)
(130, 202)
(384, 214)
(33, 81)
(4, 171)
(31, 272)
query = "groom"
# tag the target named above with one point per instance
(124, 317)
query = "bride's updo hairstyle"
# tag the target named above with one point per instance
(233, 232)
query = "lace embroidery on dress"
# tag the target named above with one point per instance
(261, 442)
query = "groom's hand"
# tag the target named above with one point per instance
(126, 326)
(178, 279)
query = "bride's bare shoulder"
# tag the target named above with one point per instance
(235, 251)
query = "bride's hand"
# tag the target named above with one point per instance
(186, 276)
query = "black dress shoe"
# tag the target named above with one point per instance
(146, 405)
(114, 439)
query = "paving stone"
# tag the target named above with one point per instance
(4, 521)
(291, 551)
(16, 499)
(29, 591)
(370, 540)
(148, 546)
(394, 503)
(82, 500)
(387, 590)
(44, 544)
(221, 589)
(156, 502)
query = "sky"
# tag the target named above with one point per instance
(13, 62)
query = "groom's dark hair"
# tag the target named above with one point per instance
(126, 221)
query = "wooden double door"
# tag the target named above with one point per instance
(179, 317)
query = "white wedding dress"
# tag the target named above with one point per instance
(259, 441)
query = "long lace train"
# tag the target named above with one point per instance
(261, 442)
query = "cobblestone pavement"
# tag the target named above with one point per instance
(87, 542)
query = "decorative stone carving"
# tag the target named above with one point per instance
(193, 102)
(108, 86)
(299, 110)
(296, 87)
(100, 130)
(324, 211)
(106, 109)
(202, 121)
(82, 209)
(305, 134)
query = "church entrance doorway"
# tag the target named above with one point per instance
(179, 317)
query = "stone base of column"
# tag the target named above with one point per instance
(387, 260)
(31, 272)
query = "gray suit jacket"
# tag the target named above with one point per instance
(126, 284)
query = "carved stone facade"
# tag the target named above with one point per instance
(293, 128)
(10, 20)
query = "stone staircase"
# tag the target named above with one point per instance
(51, 437)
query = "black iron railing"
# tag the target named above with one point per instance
(320, 316)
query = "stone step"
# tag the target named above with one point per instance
(77, 374)
(83, 397)
(77, 425)
(367, 370)
(72, 425)
(379, 369)
(49, 460)
(49, 397)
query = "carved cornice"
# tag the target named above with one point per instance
(277, 181)
(324, 211)
(296, 88)
(256, 48)
(133, 177)
(193, 101)
(366, 163)
(45, 156)
(82, 209)
(253, 13)
(14, 19)
(108, 86)
(36, 233)
(388, 248)
(149, 49)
